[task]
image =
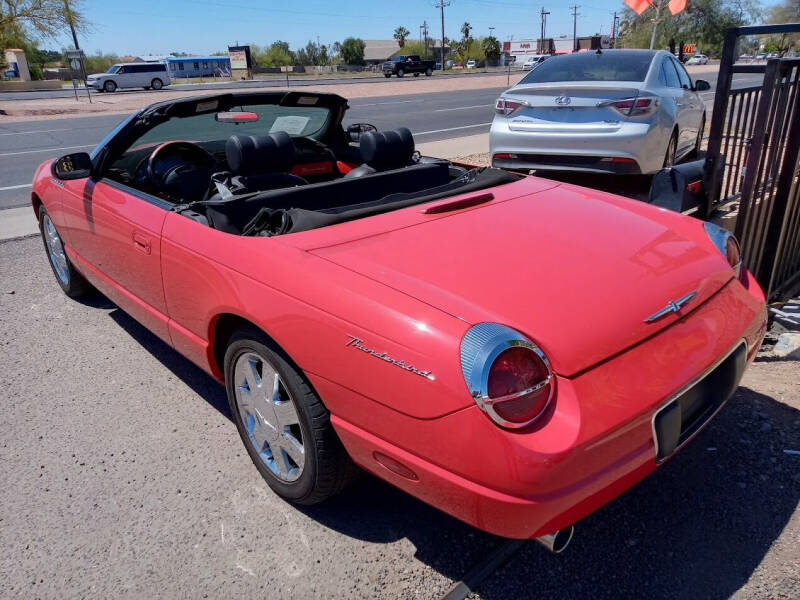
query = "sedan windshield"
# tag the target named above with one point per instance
(618, 65)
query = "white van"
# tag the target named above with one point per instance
(131, 75)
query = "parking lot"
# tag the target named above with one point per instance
(124, 477)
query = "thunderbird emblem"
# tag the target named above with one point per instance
(674, 306)
(563, 100)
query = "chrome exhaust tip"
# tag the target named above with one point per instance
(558, 541)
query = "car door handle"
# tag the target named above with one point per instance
(141, 242)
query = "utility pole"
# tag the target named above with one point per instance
(425, 37)
(544, 14)
(441, 5)
(655, 23)
(614, 30)
(575, 28)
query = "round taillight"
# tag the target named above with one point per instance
(508, 376)
(518, 385)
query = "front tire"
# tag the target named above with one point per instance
(282, 422)
(428, 72)
(156, 84)
(72, 283)
(109, 86)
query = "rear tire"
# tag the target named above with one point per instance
(156, 84)
(672, 149)
(72, 283)
(400, 72)
(428, 72)
(283, 422)
(109, 86)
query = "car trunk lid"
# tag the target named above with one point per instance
(577, 274)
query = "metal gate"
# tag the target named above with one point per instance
(755, 138)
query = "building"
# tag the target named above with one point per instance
(378, 51)
(183, 67)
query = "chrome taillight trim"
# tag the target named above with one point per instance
(481, 346)
(719, 237)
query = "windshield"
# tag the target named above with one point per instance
(591, 66)
(306, 121)
(113, 69)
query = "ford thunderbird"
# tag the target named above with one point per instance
(512, 350)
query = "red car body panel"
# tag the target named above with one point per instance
(576, 270)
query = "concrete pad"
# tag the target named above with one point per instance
(17, 222)
(463, 146)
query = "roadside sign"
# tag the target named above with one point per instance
(75, 63)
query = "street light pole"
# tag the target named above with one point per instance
(575, 28)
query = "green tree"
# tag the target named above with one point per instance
(703, 23)
(27, 19)
(786, 12)
(400, 34)
(352, 51)
(278, 55)
(491, 49)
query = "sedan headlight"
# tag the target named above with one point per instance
(727, 244)
(508, 376)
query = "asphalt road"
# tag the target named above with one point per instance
(232, 85)
(123, 477)
(431, 117)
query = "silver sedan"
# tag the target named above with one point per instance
(611, 111)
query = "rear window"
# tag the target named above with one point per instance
(590, 66)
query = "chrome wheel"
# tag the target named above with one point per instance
(55, 249)
(269, 416)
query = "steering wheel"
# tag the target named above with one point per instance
(181, 169)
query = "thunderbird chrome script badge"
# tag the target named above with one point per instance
(674, 306)
(358, 344)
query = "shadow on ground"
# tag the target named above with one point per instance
(697, 528)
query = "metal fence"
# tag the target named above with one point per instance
(755, 136)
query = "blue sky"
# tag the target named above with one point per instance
(204, 26)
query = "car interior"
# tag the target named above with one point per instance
(279, 182)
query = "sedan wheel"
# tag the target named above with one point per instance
(282, 422)
(672, 149)
(72, 282)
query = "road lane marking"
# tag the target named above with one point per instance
(47, 150)
(35, 131)
(385, 103)
(463, 107)
(448, 129)
(15, 187)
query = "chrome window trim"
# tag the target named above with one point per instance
(480, 347)
(685, 389)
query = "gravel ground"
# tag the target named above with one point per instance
(124, 477)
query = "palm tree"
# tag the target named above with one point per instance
(400, 34)
(466, 29)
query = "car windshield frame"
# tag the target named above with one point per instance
(634, 65)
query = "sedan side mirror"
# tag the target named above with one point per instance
(701, 85)
(355, 130)
(73, 166)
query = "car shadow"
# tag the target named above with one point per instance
(697, 528)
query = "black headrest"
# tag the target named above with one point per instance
(387, 149)
(257, 154)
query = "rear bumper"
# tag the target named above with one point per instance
(596, 441)
(591, 151)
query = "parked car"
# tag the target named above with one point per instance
(425, 321)
(400, 65)
(619, 111)
(698, 59)
(761, 56)
(471, 64)
(131, 75)
(534, 60)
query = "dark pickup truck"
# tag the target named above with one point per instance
(400, 65)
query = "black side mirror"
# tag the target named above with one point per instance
(355, 130)
(73, 166)
(701, 85)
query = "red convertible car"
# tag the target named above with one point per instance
(514, 351)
